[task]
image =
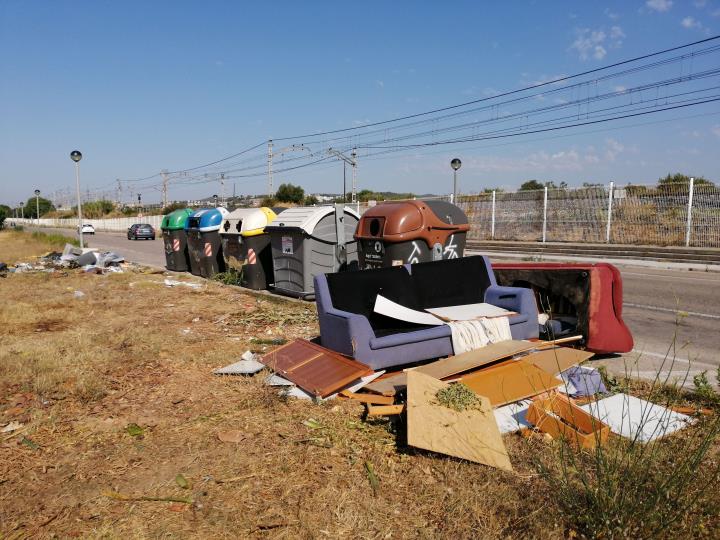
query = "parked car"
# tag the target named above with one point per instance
(87, 229)
(141, 230)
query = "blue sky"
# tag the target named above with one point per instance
(142, 86)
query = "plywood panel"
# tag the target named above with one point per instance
(511, 381)
(554, 361)
(466, 361)
(313, 368)
(472, 434)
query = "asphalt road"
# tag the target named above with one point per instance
(666, 310)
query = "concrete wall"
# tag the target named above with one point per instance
(104, 225)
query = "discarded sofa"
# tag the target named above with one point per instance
(580, 298)
(246, 245)
(394, 233)
(311, 240)
(349, 325)
(203, 237)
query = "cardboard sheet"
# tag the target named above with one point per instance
(636, 418)
(469, 312)
(472, 434)
(513, 416)
(558, 359)
(510, 381)
(386, 307)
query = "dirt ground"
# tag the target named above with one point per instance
(122, 421)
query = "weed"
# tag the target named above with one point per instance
(704, 390)
(55, 239)
(232, 276)
(458, 397)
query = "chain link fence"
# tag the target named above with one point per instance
(682, 214)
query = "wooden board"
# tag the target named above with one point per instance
(554, 361)
(385, 410)
(452, 365)
(511, 381)
(313, 368)
(472, 434)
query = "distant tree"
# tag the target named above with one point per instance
(45, 207)
(679, 178)
(289, 193)
(268, 202)
(591, 184)
(3, 214)
(310, 200)
(173, 206)
(531, 185)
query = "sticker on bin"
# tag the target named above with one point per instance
(287, 245)
(176, 244)
(252, 259)
(208, 249)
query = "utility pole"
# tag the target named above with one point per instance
(347, 160)
(118, 195)
(270, 175)
(164, 174)
(222, 189)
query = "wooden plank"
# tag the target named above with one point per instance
(472, 434)
(313, 368)
(555, 360)
(560, 417)
(511, 381)
(385, 410)
(388, 386)
(466, 361)
(369, 398)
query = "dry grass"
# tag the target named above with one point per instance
(18, 246)
(78, 371)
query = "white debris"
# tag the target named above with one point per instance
(12, 426)
(176, 283)
(511, 417)
(248, 365)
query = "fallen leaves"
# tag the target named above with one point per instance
(134, 430)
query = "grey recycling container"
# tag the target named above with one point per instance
(177, 257)
(394, 233)
(203, 237)
(310, 240)
(246, 245)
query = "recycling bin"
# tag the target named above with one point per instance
(310, 240)
(177, 257)
(203, 238)
(246, 245)
(394, 233)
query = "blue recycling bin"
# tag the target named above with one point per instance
(204, 243)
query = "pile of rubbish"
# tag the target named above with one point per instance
(87, 259)
(463, 404)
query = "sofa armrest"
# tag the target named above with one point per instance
(515, 299)
(345, 332)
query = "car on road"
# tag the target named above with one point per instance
(141, 230)
(87, 228)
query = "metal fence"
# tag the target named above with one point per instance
(660, 215)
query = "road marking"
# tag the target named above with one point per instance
(669, 358)
(674, 278)
(674, 311)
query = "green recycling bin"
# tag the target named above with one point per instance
(246, 245)
(203, 237)
(177, 257)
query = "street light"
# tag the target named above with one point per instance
(37, 205)
(76, 156)
(216, 198)
(455, 164)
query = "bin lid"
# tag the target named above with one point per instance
(401, 221)
(207, 219)
(176, 220)
(247, 221)
(305, 217)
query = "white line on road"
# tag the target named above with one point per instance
(673, 277)
(674, 311)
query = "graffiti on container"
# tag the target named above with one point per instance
(450, 251)
(414, 254)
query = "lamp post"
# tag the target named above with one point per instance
(139, 205)
(37, 205)
(76, 156)
(215, 197)
(455, 164)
